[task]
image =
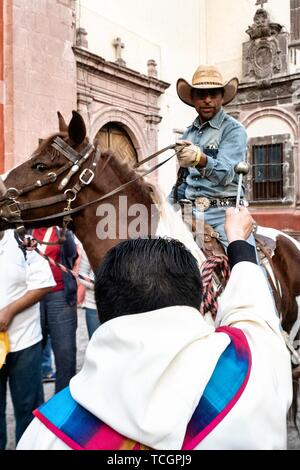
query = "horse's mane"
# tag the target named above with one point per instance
(127, 172)
(170, 222)
(45, 142)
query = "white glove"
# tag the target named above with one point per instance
(188, 154)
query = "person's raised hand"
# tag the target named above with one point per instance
(238, 224)
(188, 154)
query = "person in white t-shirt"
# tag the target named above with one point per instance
(24, 279)
(89, 303)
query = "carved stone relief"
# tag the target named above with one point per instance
(266, 54)
(258, 93)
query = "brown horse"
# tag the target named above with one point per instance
(67, 177)
(68, 181)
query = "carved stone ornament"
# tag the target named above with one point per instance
(81, 38)
(264, 58)
(265, 55)
(262, 26)
(152, 70)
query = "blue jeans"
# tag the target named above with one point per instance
(215, 217)
(23, 372)
(59, 321)
(92, 320)
(47, 367)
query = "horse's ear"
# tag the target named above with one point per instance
(62, 123)
(76, 129)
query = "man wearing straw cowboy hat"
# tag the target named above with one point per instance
(210, 148)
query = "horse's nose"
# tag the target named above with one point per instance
(2, 187)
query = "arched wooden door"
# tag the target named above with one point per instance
(112, 136)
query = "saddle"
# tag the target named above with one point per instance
(213, 247)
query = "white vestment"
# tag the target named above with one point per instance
(144, 374)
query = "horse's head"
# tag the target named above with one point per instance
(67, 176)
(49, 178)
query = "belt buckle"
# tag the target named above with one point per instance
(202, 203)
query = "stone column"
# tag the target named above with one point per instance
(83, 104)
(81, 38)
(2, 93)
(297, 164)
(152, 137)
(152, 70)
(295, 20)
(296, 150)
(152, 122)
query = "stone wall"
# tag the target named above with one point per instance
(270, 115)
(159, 30)
(39, 73)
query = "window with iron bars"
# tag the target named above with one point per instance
(267, 172)
(271, 179)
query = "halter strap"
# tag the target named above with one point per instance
(76, 159)
(105, 196)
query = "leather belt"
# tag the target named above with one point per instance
(204, 203)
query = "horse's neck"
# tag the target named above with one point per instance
(89, 224)
(171, 225)
(93, 247)
(167, 223)
(160, 220)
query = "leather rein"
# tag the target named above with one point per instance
(74, 164)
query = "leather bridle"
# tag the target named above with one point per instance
(11, 210)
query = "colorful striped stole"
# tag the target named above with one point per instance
(81, 430)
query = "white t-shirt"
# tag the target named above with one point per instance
(86, 270)
(17, 276)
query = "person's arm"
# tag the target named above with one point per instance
(17, 306)
(220, 170)
(232, 150)
(85, 270)
(247, 296)
(238, 227)
(39, 281)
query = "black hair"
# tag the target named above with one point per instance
(146, 274)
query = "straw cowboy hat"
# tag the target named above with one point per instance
(205, 77)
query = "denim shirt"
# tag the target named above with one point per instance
(224, 142)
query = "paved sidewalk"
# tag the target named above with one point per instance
(82, 339)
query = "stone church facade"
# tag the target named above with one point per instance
(120, 72)
(111, 96)
(268, 104)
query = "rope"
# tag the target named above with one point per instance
(30, 244)
(210, 292)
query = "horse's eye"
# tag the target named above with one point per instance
(39, 166)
